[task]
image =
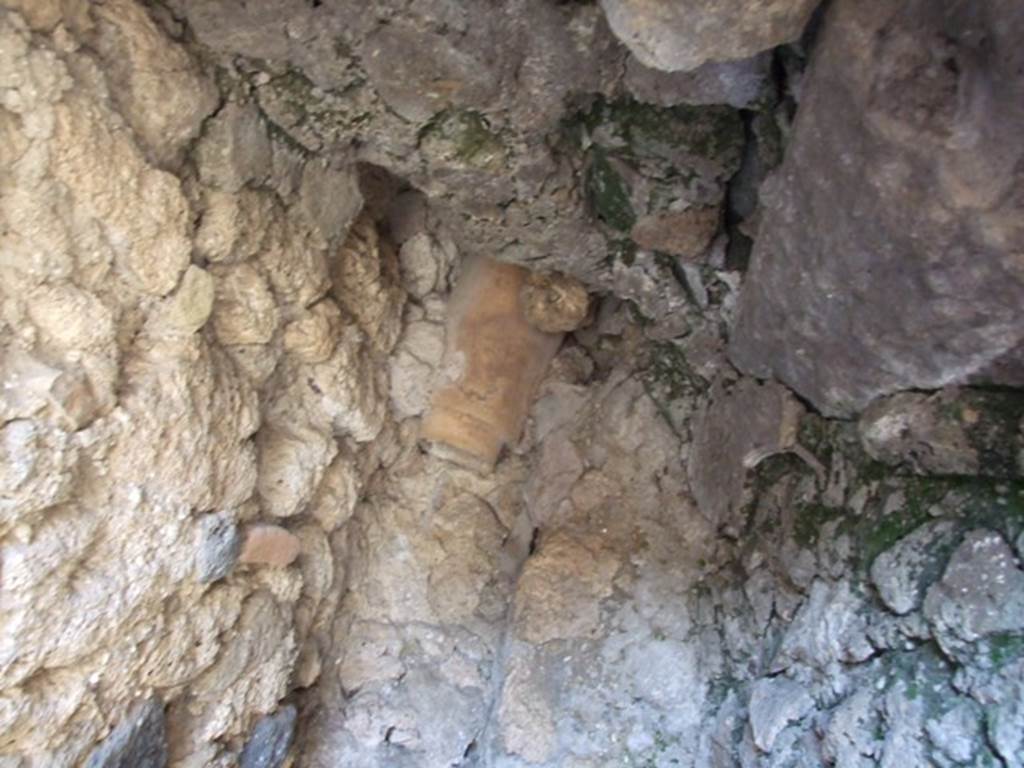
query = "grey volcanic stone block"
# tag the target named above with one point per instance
(219, 545)
(139, 741)
(889, 253)
(268, 745)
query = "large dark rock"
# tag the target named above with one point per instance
(891, 253)
(268, 745)
(139, 741)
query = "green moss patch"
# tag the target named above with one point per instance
(468, 138)
(607, 193)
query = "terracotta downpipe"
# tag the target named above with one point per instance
(494, 360)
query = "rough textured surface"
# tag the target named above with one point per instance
(142, 392)
(953, 432)
(677, 35)
(887, 255)
(228, 237)
(139, 741)
(739, 84)
(489, 113)
(738, 427)
(686, 233)
(219, 545)
(270, 740)
(554, 303)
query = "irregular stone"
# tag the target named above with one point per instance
(40, 15)
(269, 545)
(292, 459)
(257, 30)
(463, 142)
(367, 284)
(189, 307)
(35, 470)
(957, 733)
(775, 703)
(349, 390)
(219, 546)
(760, 590)
(526, 716)
(235, 149)
(256, 362)
(646, 663)
(154, 81)
(308, 666)
(373, 654)
(68, 318)
(681, 35)
(75, 399)
(338, 493)
(830, 626)
(187, 423)
(555, 303)
(735, 430)
(737, 83)
(643, 160)
(244, 311)
(413, 367)
(149, 240)
(25, 384)
(559, 464)
(316, 564)
(649, 284)
(903, 573)
(419, 72)
(252, 675)
(981, 592)
(851, 738)
(295, 262)
(233, 224)
(904, 716)
(139, 741)
(1004, 723)
(330, 199)
(420, 264)
(858, 285)
(686, 234)
(463, 584)
(952, 432)
(270, 741)
(560, 589)
(313, 336)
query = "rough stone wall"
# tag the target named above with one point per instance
(172, 317)
(889, 255)
(228, 231)
(537, 137)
